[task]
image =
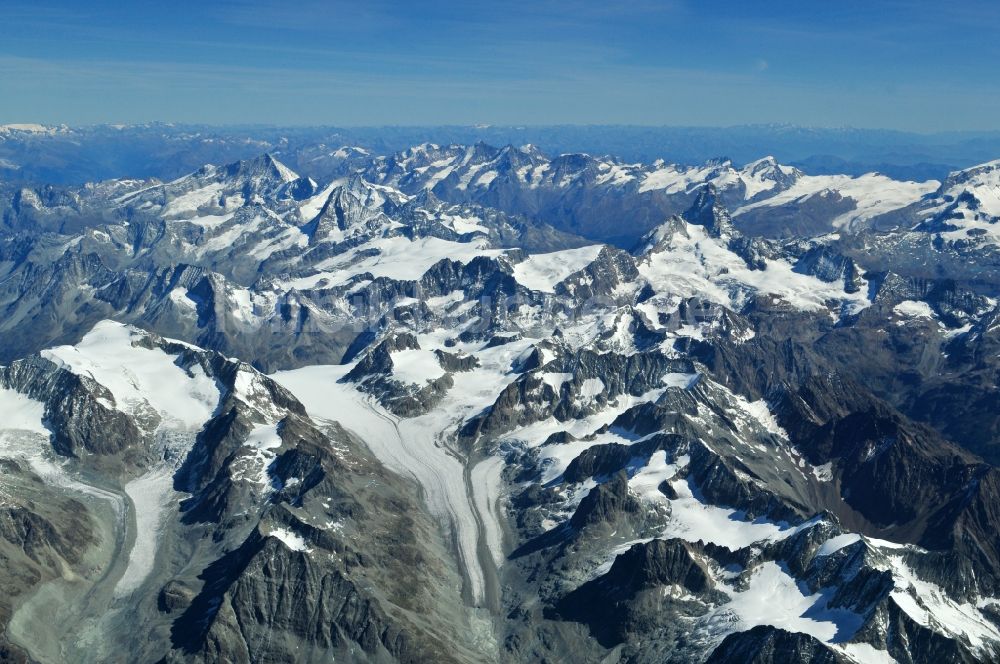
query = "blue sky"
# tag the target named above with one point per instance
(923, 66)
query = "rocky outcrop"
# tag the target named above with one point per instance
(78, 410)
(265, 601)
(772, 645)
(648, 580)
(605, 504)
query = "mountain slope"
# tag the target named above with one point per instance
(188, 474)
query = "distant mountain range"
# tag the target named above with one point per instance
(74, 155)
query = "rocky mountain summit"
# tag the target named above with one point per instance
(466, 403)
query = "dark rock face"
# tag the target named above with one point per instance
(598, 460)
(264, 590)
(40, 540)
(657, 563)
(618, 603)
(606, 503)
(607, 459)
(75, 409)
(902, 477)
(754, 251)
(806, 217)
(611, 269)
(824, 264)
(709, 211)
(771, 645)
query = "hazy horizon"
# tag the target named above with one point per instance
(15, 122)
(674, 63)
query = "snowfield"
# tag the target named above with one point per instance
(696, 264)
(392, 257)
(873, 195)
(20, 413)
(541, 272)
(140, 377)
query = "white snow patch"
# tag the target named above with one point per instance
(464, 225)
(396, 258)
(415, 366)
(682, 380)
(824, 472)
(874, 194)
(672, 179)
(556, 380)
(140, 377)
(590, 388)
(486, 178)
(913, 309)
(262, 441)
(646, 483)
(293, 541)
(21, 413)
(311, 207)
(541, 272)
(180, 297)
(773, 597)
(287, 239)
(835, 544)
(761, 411)
(865, 653)
(692, 520)
(614, 175)
(929, 605)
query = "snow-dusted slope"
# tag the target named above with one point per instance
(140, 377)
(872, 195)
(687, 262)
(541, 272)
(214, 191)
(585, 193)
(967, 205)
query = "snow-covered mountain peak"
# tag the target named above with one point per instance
(700, 255)
(709, 211)
(31, 129)
(980, 186)
(141, 374)
(658, 238)
(352, 204)
(766, 175)
(966, 207)
(987, 173)
(214, 191)
(260, 169)
(532, 150)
